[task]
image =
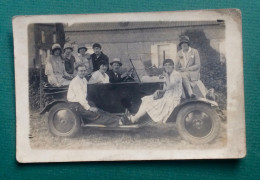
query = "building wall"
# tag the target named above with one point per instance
(136, 44)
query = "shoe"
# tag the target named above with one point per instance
(193, 96)
(125, 120)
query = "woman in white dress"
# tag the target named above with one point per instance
(160, 105)
(55, 69)
(100, 76)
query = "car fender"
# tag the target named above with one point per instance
(173, 115)
(50, 105)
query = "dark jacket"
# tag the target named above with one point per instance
(96, 60)
(69, 64)
(113, 78)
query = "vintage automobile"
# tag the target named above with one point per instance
(197, 119)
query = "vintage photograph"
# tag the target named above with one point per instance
(131, 86)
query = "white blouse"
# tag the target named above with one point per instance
(99, 78)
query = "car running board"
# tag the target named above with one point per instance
(104, 126)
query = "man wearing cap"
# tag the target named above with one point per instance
(55, 69)
(69, 60)
(97, 56)
(114, 74)
(188, 63)
(84, 57)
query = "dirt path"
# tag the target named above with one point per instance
(162, 136)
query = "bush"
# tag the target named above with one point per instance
(37, 97)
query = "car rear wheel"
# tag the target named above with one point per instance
(63, 121)
(198, 123)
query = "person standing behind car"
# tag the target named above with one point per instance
(69, 60)
(188, 64)
(98, 56)
(55, 69)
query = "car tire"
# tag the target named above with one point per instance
(198, 123)
(63, 121)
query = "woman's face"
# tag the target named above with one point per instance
(82, 51)
(56, 52)
(103, 68)
(168, 67)
(68, 51)
(185, 47)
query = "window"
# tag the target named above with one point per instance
(43, 36)
(162, 51)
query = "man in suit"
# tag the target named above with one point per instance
(114, 74)
(188, 63)
(98, 56)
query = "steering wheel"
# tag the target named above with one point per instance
(130, 76)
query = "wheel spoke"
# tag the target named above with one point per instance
(198, 123)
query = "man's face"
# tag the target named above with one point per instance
(115, 67)
(81, 71)
(185, 47)
(68, 51)
(97, 50)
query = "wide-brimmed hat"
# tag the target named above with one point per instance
(116, 60)
(184, 39)
(55, 46)
(96, 45)
(68, 46)
(82, 46)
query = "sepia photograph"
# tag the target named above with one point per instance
(130, 86)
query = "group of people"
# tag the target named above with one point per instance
(179, 77)
(60, 68)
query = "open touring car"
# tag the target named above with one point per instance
(197, 119)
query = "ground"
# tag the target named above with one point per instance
(151, 137)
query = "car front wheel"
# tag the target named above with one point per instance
(63, 121)
(198, 123)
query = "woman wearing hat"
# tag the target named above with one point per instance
(100, 76)
(69, 60)
(84, 57)
(55, 69)
(188, 63)
(114, 74)
(160, 105)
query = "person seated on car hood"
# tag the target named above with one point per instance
(161, 104)
(77, 96)
(100, 76)
(114, 74)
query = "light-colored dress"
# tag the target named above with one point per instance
(160, 109)
(99, 78)
(85, 60)
(55, 70)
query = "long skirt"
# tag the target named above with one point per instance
(160, 109)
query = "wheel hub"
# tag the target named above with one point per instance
(63, 120)
(198, 124)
